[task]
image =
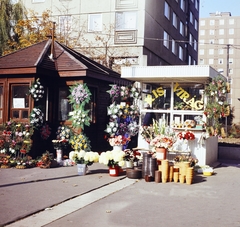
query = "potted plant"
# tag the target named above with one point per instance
(114, 160)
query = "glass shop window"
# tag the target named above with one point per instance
(161, 96)
(20, 101)
(188, 97)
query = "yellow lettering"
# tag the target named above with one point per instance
(184, 95)
(175, 87)
(199, 105)
(191, 102)
(160, 91)
(155, 93)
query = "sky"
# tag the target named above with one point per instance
(212, 6)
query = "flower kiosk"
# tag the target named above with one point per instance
(176, 95)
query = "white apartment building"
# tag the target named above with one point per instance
(219, 47)
(127, 32)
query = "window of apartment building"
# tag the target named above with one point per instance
(174, 46)
(167, 10)
(202, 32)
(230, 41)
(231, 21)
(220, 51)
(182, 5)
(196, 5)
(196, 25)
(181, 29)
(221, 22)
(180, 53)
(36, 1)
(126, 20)
(230, 61)
(202, 22)
(201, 61)
(230, 71)
(231, 51)
(166, 39)
(191, 17)
(201, 42)
(212, 22)
(220, 70)
(211, 41)
(174, 20)
(210, 61)
(65, 23)
(231, 31)
(211, 32)
(221, 41)
(220, 61)
(195, 44)
(190, 39)
(94, 22)
(211, 51)
(201, 52)
(189, 60)
(221, 31)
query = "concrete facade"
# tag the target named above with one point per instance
(219, 47)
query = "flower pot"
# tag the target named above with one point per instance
(114, 171)
(59, 154)
(82, 169)
(129, 164)
(161, 153)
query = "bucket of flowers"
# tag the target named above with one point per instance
(184, 138)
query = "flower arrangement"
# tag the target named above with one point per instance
(124, 92)
(112, 128)
(36, 90)
(36, 117)
(186, 135)
(79, 118)
(45, 131)
(131, 155)
(80, 142)
(63, 135)
(135, 92)
(83, 157)
(79, 94)
(112, 158)
(162, 141)
(186, 158)
(118, 140)
(114, 92)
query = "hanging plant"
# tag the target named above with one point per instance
(36, 90)
(79, 94)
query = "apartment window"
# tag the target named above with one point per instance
(221, 32)
(201, 52)
(231, 21)
(220, 61)
(126, 21)
(211, 41)
(196, 5)
(190, 39)
(202, 22)
(210, 61)
(36, 1)
(221, 22)
(201, 61)
(181, 29)
(220, 70)
(173, 46)
(191, 17)
(230, 41)
(231, 51)
(221, 41)
(189, 60)
(202, 32)
(174, 20)
(167, 10)
(212, 22)
(166, 39)
(94, 22)
(231, 31)
(230, 61)
(195, 44)
(230, 71)
(220, 51)
(211, 51)
(182, 5)
(201, 42)
(65, 23)
(196, 25)
(180, 53)
(211, 32)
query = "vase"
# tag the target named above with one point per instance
(129, 164)
(82, 169)
(117, 148)
(161, 153)
(59, 154)
(114, 171)
(185, 147)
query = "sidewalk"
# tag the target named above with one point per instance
(209, 201)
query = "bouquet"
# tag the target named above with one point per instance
(186, 135)
(112, 158)
(118, 140)
(62, 139)
(79, 118)
(83, 157)
(80, 142)
(36, 90)
(36, 117)
(162, 141)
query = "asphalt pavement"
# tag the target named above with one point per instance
(58, 197)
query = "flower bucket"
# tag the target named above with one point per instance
(82, 169)
(59, 153)
(118, 148)
(161, 153)
(114, 171)
(129, 164)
